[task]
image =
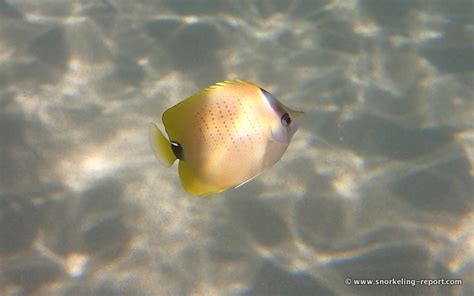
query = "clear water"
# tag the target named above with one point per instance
(377, 183)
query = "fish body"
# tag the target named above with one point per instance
(224, 135)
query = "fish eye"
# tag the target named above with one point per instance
(286, 119)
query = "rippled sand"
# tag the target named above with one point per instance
(377, 183)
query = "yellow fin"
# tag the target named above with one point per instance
(160, 145)
(193, 185)
(232, 82)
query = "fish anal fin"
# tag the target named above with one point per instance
(194, 185)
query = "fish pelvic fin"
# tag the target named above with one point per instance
(160, 145)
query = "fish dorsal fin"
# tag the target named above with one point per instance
(234, 82)
(228, 83)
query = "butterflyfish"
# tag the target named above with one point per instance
(224, 136)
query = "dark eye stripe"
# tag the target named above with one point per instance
(273, 102)
(270, 98)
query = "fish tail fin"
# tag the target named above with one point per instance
(160, 145)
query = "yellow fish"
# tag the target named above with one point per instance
(224, 136)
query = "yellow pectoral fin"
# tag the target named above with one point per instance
(160, 145)
(194, 185)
